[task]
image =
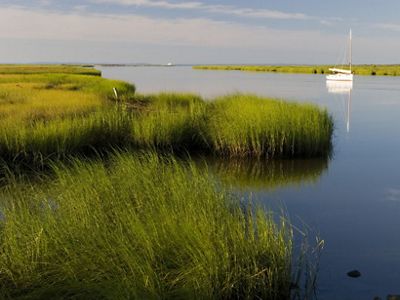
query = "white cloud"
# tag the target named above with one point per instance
(40, 24)
(258, 13)
(80, 8)
(45, 2)
(149, 3)
(388, 26)
(221, 9)
(392, 194)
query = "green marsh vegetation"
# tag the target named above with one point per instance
(246, 125)
(134, 228)
(169, 121)
(46, 116)
(378, 70)
(46, 69)
(129, 224)
(236, 125)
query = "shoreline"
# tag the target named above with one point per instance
(365, 70)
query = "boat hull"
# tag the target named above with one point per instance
(340, 77)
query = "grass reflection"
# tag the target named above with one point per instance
(259, 174)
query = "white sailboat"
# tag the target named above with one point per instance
(342, 74)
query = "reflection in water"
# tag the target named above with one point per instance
(254, 174)
(342, 88)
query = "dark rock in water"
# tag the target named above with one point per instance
(393, 297)
(294, 286)
(377, 298)
(354, 274)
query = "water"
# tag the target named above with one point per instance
(353, 200)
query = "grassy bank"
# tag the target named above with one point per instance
(378, 70)
(46, 69)
(47, 116)
(134, 228)
(236, 125)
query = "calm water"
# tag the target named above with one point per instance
(352, 201)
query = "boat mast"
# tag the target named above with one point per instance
(350, 50)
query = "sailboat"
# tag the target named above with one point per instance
(342, 74)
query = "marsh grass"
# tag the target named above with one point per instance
(46, 69)
(70, 82)
(246, 125)
(62, 136)
(169, 121)
(236, 125)
(47, 116)
(135, 228)
(379, 70)
(140, 226)
(53, 115)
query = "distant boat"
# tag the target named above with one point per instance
(170, 64)
(342, 74)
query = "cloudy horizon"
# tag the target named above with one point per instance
(196, 32)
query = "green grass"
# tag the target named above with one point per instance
(20, 83)
(46, 116)
(135, 228)
(236, 125)
(246, 125)
(46, 69)
(381, 70)
(168, 121)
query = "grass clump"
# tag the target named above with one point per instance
(246, 125)
(168, 121)
(236, 125)
(134, 228)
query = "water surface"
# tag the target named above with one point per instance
(352, 201)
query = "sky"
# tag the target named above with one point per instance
(199, 31)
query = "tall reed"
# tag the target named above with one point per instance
(142, 226)
(168, 121)
(246, 125)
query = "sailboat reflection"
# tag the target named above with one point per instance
(342, 88)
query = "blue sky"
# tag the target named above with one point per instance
(198, 31)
